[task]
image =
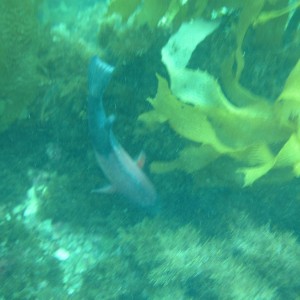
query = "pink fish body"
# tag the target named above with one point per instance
(125, 175)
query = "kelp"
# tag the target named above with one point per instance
(241, 136)
(249, 130)
(288, 102)
(266, 18)
(19, 38)
(132, 28)
(156, 13)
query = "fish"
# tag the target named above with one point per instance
(124, 174)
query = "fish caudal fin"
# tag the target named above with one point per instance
(99, 76)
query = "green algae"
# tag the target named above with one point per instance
(181, 260)
(19, 39)
(24, 265)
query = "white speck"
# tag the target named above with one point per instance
(62, 254)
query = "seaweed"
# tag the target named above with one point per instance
(19, 38)
(23, 263)
(154, 259)
(133, 29)
(238, 125)
(287, 104)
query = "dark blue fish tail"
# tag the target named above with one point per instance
(100, 74)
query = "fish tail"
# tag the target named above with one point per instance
(100, 74)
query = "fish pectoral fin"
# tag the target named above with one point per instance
(140, 161)
(107, 189)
